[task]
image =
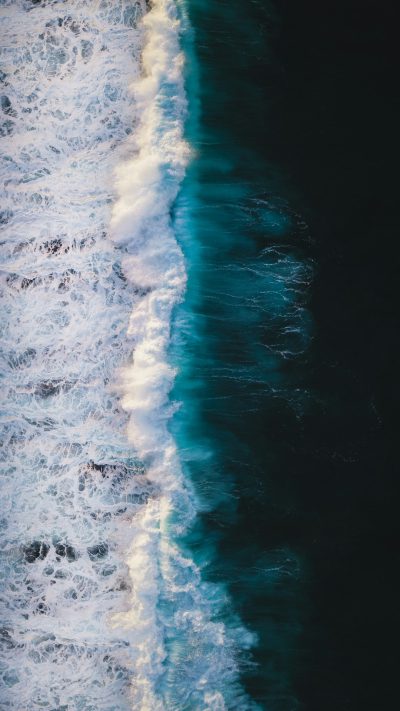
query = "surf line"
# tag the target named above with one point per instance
(147, 184)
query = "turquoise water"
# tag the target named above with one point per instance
(240, 338)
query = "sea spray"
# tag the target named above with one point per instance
(147, 186)
(188, 657)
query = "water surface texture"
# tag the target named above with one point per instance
(192, 419)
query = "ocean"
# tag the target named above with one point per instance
(197, 340)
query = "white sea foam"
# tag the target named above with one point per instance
(70, 480)
(102, 610)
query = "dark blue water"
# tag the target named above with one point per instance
(288, 329)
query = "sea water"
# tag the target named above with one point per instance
(241, 338)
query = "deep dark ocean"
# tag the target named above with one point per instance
(289, 378)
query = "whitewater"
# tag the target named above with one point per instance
(102, 607)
